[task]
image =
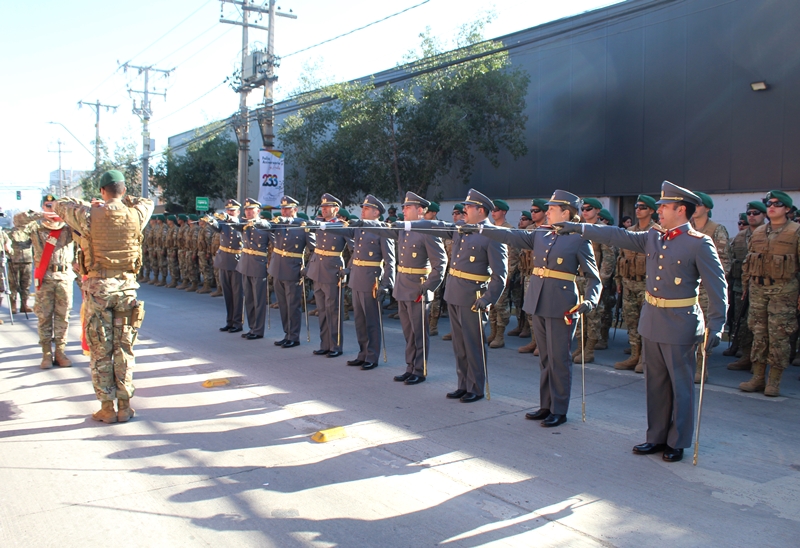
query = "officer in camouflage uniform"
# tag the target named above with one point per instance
(111, 237)
(500, 313)
(170, 245)
(517, 292)
(701, 222)
(538, 217)
(164, 250)
(742, 337)
(610, 297)
(20, 269)
(184, 241)
(54, 253)
(192, 265)
(144, 272)
(204, 237)
(631, 272)
(604, 256)
(769, 276)
(215, 243)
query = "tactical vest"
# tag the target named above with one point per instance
(773, 259)
(630, 264)
(738, 253)
(115, 242)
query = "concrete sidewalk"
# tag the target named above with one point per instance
(234, 466)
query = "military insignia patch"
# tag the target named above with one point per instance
(414, 254)
(371, 253)
(678, 281)
(559, 260)
(472, 258)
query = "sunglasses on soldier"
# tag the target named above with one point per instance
(587, 208)
(535, 210)
(754, 213)
(642, 206)
(774, 203)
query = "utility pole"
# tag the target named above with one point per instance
(145, 112)
(250, 78)
(60, 191)
(96, 106)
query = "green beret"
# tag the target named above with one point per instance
(192, 217)
(541, 203)
(266, 214)
(500, 204)
(49, 198)
(757, 205)
(606, 214)
(743, 217)
(171, 218)
(705, 199)
(400, 217)
(594, 202)
(111, 177)
(302, 215)
(648, 201)
(183, 217)
(380, 218)
(527, 215)
(434, 207)
(778, 195)
(459, 207)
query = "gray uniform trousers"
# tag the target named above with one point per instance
(290, 304)
(231, 282)
(326, 297)
(555, 359)
(413, 330)
(255, 302)
(669, 377)
(467, 347)
(368, 328)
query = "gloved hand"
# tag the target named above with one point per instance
(481, 304)
(303, 272)
(221, 216)
(383, 292)
(582, 307)
(423, 297)
(356, 223)
(468, 229)
(569, 228)
(343, 272)
(712, 341)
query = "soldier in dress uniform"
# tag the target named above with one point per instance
(371, 272)
(253, 268)
(421, 262)
(285, 267)
(769, 276)
(111, 238)
(631, 272)
(20, 269)
(477, 278)
(671, 324)
(54, 253)
(743, 337)
(227, 261)
(701, 222)
(325, 269)
(553, 298)
(500, 312)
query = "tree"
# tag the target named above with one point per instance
(126, 160)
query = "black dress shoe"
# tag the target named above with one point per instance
(280, 342)
(234, 329)
(244, 335)
(366, 366)
(403, 377)
(672, 455)
(457, 394)
(648, 448)
(414, 379)
(541, 414)
(334, 353)
(553, 420)
(469, 397)
(290, 344)
(355, 362)
(226, 328)
(253, 336)
(321, 352)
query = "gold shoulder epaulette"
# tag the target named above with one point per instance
(693, 233)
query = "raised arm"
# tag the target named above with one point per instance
(619, 237)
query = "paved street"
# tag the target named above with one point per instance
(235, 466)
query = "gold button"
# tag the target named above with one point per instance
(660, 267)
(660, 256)
(655, 289)
(663, 247)
(658, 278)
(679, 262)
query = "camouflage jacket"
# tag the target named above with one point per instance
(30, 223)
(21, 246)
(719, 234)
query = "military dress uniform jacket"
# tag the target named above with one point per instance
(230, 244)
(674, 268)
(253, 260)
(373, 258)
(552, 290)
(419, 255)
(477, 263)
(327, 259)
(288, 249)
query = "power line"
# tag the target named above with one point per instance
(209, 29)
(169, 31)
(190, 103)
(355, 30)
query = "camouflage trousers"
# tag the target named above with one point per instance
(20, 281)
(192, 267)
(163, 264)
(52, 306)
(744, 337)
(594, 318)
(147, 262)
(436, 304)
(174, 265)
(607, 303)
(207, 270)
(632, 301)
(183, 264)
(500, 313)
(110, 348)
(772, 320)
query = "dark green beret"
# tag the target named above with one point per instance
(400, 217)
(183, 217)
(380, 218)
(391, 218)
(757, 205)
(49, 198)
(192, 217)
(743, 217)
(266, 214)
(302, 215)
(541, 203)
(706, 199)
(500, 204)
(527, 215)
(594, 202)
(779, 195)
(459, 207)
(606, 214)
(111, 177)
(434, 207)
(648, 201)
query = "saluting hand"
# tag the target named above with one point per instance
(568, 228)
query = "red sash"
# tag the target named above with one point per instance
(47, 253)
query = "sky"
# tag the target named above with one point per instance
(58, 53)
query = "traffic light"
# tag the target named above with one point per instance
(19, 195)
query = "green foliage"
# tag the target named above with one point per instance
(207, 168)
(353, 138)
(126, 160)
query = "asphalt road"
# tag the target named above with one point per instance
(235, 466)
